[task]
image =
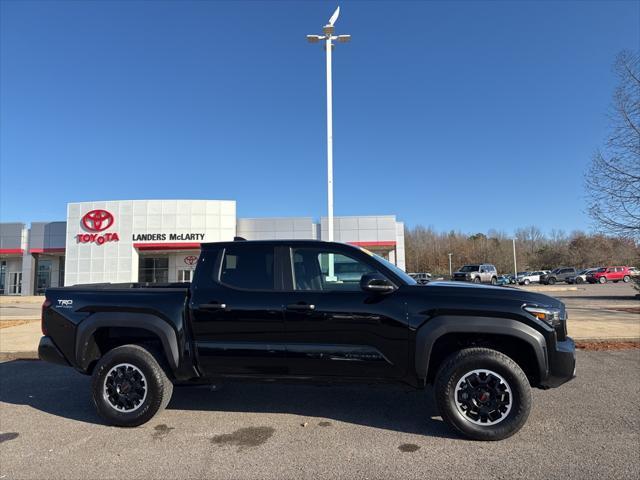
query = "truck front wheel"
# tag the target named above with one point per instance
(129, 386)
(483, 394)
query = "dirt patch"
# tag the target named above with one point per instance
(626, 309)
(14, 323)
(324, 424)
(161, 431)
(244, 438)
(606, 345)
(409, 447)
(8, 436)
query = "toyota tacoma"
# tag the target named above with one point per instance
(278, 310)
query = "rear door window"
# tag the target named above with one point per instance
(248, 268)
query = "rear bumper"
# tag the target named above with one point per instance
(562, 364)
(48, 352)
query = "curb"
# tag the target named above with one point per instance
(7, 356)
(606, 340)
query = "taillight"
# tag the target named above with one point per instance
(46, 304)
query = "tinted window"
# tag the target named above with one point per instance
(250, 268)
(317, 269)
(470, 268)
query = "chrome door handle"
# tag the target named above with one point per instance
(212, 306)
(301, 306)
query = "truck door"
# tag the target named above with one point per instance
(236, 310)
(333, 327)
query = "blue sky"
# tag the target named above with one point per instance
(460, 115)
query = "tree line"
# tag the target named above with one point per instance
(427, 250)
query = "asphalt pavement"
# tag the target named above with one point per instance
(588, 428)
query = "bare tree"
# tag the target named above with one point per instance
(613, 180)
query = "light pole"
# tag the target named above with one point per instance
(515, 264)
(450, 270)
(328, 38)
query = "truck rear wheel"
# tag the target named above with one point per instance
(129, 386)
(483, 394)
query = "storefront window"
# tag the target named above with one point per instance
(3, 276)
(43, 276)
(61, 273)
(153, 270)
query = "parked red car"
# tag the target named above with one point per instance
(609, 274)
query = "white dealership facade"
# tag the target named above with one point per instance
(158, 241)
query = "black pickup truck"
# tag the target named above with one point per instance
(311, 310)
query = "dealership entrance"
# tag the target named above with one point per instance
(167, 267)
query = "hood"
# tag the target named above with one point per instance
(472, 292)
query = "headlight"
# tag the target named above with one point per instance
(552, 316)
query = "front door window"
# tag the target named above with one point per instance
(315, 269)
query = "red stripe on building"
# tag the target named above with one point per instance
(373, 244)
(11, 251)
(166, 246)
(46, 250)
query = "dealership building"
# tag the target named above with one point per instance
(158, 241)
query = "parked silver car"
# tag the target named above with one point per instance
(480, 273)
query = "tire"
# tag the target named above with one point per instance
(494, 281)
(579, 280)
(602, 279)
(471, 363)
(146, 375)
(626, 279)
(527, 281)
(551, 281)
(476, 280)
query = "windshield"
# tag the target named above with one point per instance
(398, 271)
(523, 273)
(470, 268)
(557, 270)
(600, 270)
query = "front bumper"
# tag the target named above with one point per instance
(562, 364)
(48, 352)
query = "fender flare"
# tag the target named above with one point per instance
(431, 331)
(144, 321)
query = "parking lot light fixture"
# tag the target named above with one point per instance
(329, 38)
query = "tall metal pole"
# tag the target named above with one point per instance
(515, 264)
(328, 48)
(450, 270)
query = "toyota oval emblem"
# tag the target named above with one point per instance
(190, 260)
(97, 220)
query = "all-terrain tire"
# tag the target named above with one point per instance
(509, 377)
(146, 374)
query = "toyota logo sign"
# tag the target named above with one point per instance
(190, 260)
(97, 220)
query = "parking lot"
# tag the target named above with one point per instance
(589, 428)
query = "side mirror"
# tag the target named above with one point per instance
(376, 283)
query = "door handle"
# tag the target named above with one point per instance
(212, 306)
(301, 306)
